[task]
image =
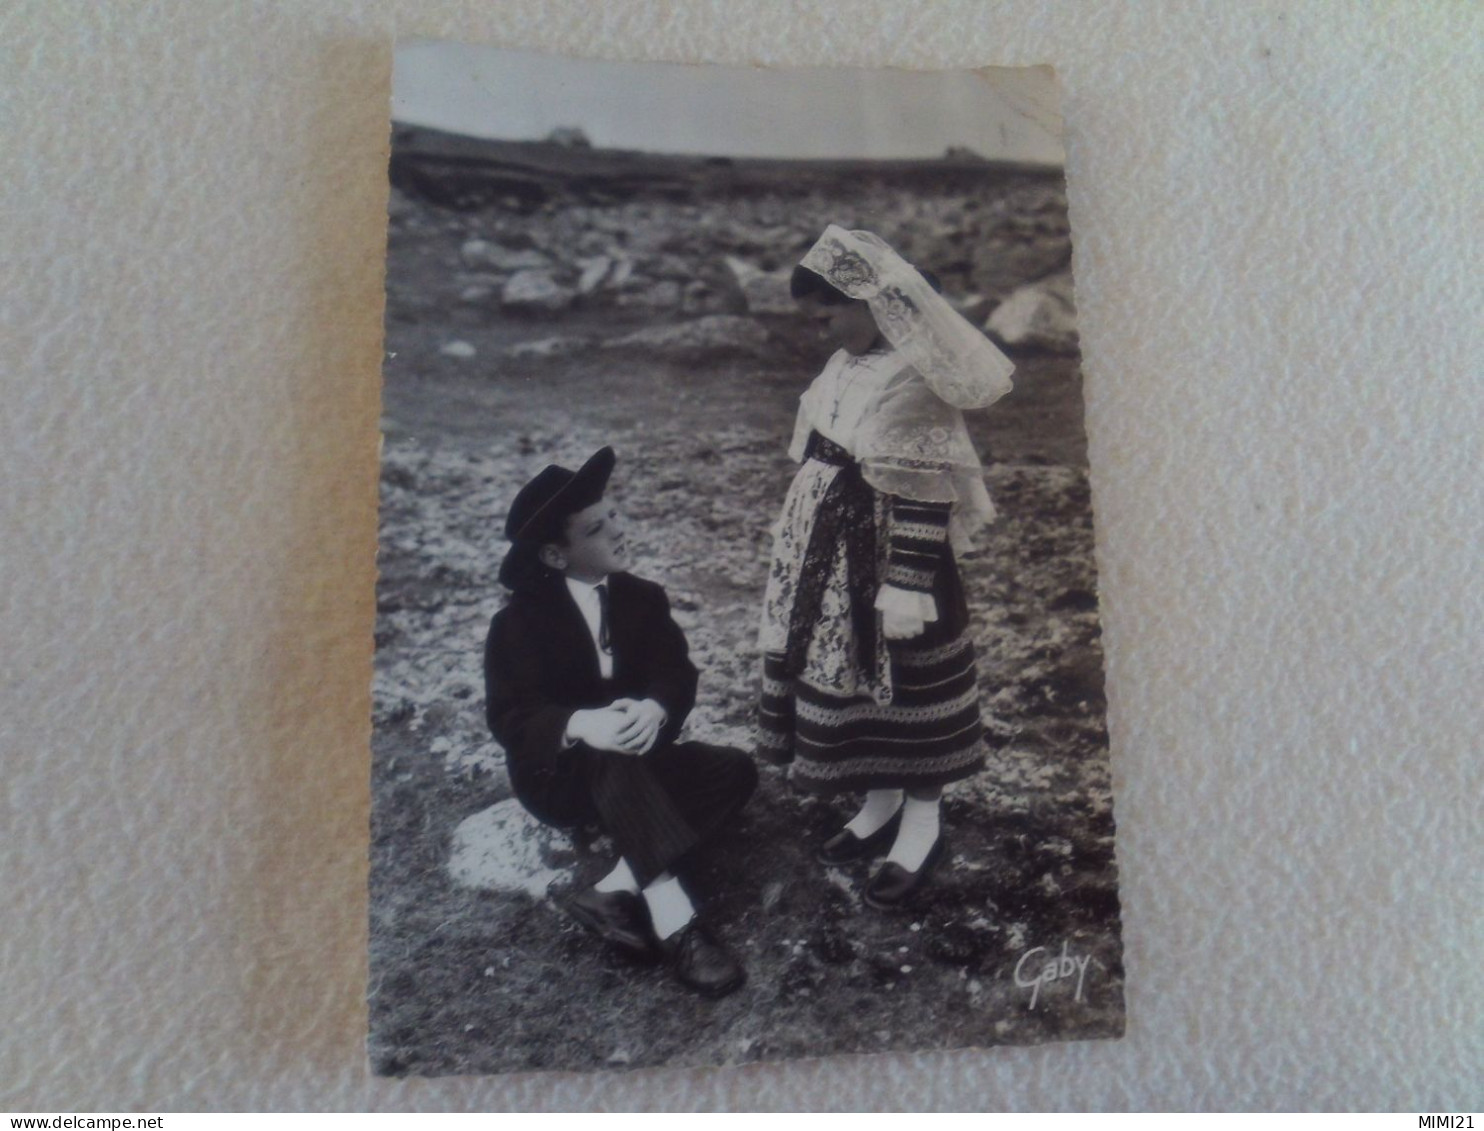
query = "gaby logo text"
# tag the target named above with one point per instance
(1034, 970)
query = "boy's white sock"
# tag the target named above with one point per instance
(620, 879)
(880, 805)
(670, 908)
(917, 835)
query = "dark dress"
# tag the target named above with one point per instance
(851, 709)
(928, 730)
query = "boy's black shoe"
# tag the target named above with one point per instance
(618, 918)
(845, 846)
(700, 963)
(891, 886)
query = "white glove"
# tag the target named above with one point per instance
(905, 613)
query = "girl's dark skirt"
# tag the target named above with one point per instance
(930, 734)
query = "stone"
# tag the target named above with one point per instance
(547, 347)
(766, 292)
(669, 266)
(594, 270)
(1040, 315)
(480, 253)
(662, 295)
(976, 308)
(700, 297)
(772, 893)
(504, 848)
(535, 292)
(458, 349)
(700, 337)
(623, 270)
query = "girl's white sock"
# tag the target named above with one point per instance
(670, 908)
(917, 835)
(620, 879)
(880, 805)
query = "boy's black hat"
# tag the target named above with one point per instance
(544, 503)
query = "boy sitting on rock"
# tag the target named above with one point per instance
(588, 682)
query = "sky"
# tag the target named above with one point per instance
(1002, 113)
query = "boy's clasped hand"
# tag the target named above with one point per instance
(626, 726)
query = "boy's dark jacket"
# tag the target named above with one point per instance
(540, 665)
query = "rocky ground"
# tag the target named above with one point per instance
(521, 332)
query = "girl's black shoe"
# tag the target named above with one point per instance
(845, 846)
(891, 886)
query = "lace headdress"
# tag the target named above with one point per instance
(957, 361)
(914, 443)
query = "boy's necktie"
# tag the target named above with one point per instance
(604, 641)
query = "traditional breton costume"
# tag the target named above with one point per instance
(889, 489)
(558, 647)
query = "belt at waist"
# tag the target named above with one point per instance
(821, 448)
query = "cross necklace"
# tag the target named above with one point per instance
(855, 364)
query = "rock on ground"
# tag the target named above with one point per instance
(503, 848)
(662, 294)
(535, 292)
(1040, 315)
(594, 269)
(701, 338)
(766, 292)
(557, 346)
(481, 253)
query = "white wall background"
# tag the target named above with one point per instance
(1277, 217)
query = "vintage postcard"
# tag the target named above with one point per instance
(739, 684)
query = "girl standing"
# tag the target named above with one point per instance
(869, 682)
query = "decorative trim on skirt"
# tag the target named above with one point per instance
(930, 734)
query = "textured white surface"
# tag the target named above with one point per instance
(1277, 211)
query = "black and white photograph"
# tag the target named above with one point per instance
(738, 687)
